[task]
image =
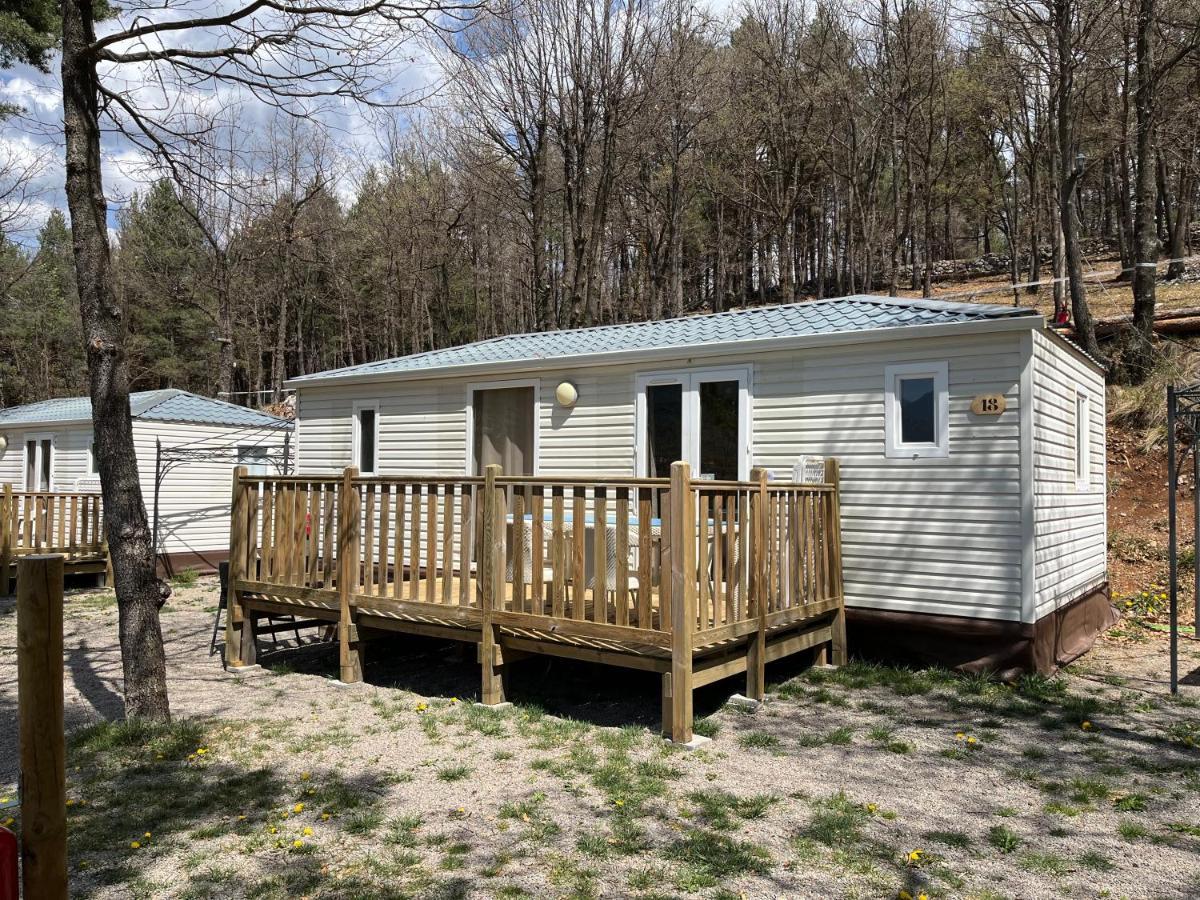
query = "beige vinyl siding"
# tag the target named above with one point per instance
(421, 428)
(918, 535)
(194, 499)
(1070, 522)
(596, 436)
(71, 444)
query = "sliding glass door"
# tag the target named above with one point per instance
(698, 416)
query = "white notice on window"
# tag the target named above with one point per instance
(809, 470)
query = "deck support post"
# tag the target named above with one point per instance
(756, 652)
(349, 572)
(833, 534)
(6, 540)
(683, 604)
(491, 578)
(237, 626)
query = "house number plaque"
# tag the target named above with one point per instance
(989, 405)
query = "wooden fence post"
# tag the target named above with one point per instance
(833, 533)
(756, 654)
(6, 539)
(43, 746)
(491, 574)
(349, 574)
(239, 637)
(677, 685)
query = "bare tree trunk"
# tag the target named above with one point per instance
(140, 594)
(1138, 354)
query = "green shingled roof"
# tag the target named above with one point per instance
(168, 405)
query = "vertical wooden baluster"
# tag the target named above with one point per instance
(600, 552)
(448, 543)
(465, 545)
(719, 593)
(385, 533)
(622, 555)
(537, 540)
(645, 515)
(398, 549)
(250, 567)
(558, 553)
(61, 516)
(756, 654)
(313, 526)
(743, 502)
(369, 542)
(431, 548)
(702, 560)
(266, 544)
(329, 541)
(72, 532)
(414, 544)
(518, 552)
(578, 551)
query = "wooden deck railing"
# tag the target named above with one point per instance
(656, 569)
(63, 522)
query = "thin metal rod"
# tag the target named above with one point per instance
(1172, 488)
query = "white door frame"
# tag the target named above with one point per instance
(38, 437)
(690, 380)
(474, 386)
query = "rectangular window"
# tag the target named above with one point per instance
(503, 430)
(1082, 443)
(916, 411)
(366, 436)
(93, 466)
(39, 463)
(701, 417)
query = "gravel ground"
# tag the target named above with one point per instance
(866, 782)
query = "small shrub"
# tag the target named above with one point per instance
(185, 578)
(1003, 838)
(453, 773)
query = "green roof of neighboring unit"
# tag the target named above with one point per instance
(861, 313)
(166, 405)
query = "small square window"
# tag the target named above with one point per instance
(916, 411)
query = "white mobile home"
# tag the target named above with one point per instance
(971, 441)
(48, 447)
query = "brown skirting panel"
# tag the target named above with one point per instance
(976, 645)
(204, 562)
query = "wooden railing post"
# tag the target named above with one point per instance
(677, 684)
(239, 638)
(833, 534)
(6, 540)
(756, 654)
(491, 576)
(349, 574)
(43, 746)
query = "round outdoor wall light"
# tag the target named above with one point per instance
(3, 442)
(566, 394)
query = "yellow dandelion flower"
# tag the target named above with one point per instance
(453, 700)
(620, 802)
(922, 896)
(146, 835)
(972, 741)
(960, 735)
(871, 807)
(135, 845)
(422, 706)
(307, 831)
(304, 776)
(1086, 725)
(272, 830)
(241, 818)
(915, 856)
(904, 895)
(299, 808)
(324, 817)
(70, 801)
(298, 843)
(201, 751)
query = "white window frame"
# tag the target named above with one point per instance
(38, 436)
(690, 380)
(1083, 442)
(469, 406)
(894, 447)
(356, 445)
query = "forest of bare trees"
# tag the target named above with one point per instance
(584, 163)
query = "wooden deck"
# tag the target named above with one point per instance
(59, 522)
(697, 580)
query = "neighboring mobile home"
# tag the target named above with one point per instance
(48, 446)
(971, 441)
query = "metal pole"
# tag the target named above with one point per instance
(1196, 534)
(1172, 483)
(158, 475)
